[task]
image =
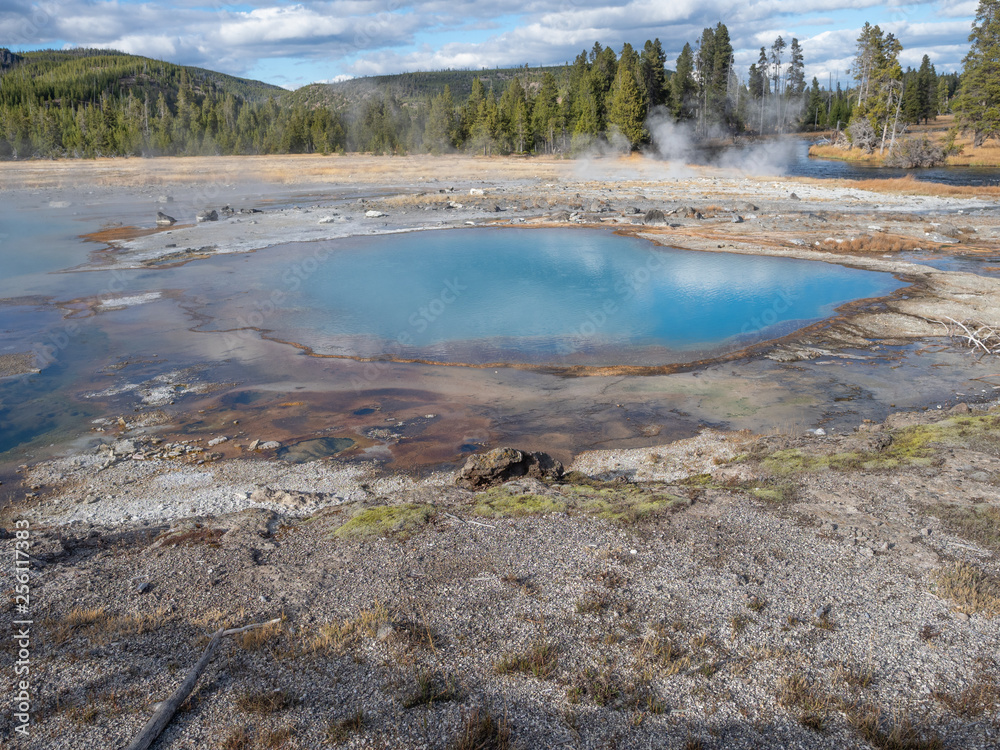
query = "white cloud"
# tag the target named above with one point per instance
(362, 37)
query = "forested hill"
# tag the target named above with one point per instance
(88, 75)
(415, 87)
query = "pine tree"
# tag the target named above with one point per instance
(439, 131)
(796, 70)
(654, 74)
(546, 116)
(977, 107)
(683, 87)
(880, 86)
(815, 115)
(627, 108)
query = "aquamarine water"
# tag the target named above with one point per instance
(556, 296)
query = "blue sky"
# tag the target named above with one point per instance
(294, 43)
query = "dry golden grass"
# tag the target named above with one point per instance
(340, 635)
(98, 626)
(978, 698)
(840, 154)
(481, 731)
(892, 731)
(987, 155)
(339, 731)
(265, 701)
(973, 590)
(285, 169)
(906, 186)
(873, 243)
(539, 661)
(259, 638)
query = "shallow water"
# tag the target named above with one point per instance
(104, 362)
(550, 296)
(791, 157)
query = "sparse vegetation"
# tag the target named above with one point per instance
(973, 590)
(340, 730)
(539, 661)
(979, 523)
(482, 731)
(973, 701)
(432, 687)
(592, 602)
(342, 634)
(895, 731)
(265, 702)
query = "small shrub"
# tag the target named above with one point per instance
(909, 153)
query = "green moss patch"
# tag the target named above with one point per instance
(910, 446)
(384, 520)
(498, 502)
(623, 503)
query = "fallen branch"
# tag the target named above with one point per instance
(985, 336)
(162, 716)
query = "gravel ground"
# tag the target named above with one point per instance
(699, 592)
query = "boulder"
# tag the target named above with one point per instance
(654, 217)
(207, 215)
(502, 464)
(162, 220)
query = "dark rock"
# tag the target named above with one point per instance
(227, 211)
(162, 220)
(793, 197)
(654, 217)
(7, 58)
(143, 587)
(737, 219)
(502, 464)
(208, 215)
(880, 441)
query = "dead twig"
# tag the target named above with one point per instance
(166, 710)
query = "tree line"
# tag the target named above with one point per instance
(101, 104)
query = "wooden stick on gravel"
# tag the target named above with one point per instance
(162, 716)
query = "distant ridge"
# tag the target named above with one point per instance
(418, 86)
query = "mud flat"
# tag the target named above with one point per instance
(751, 586)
